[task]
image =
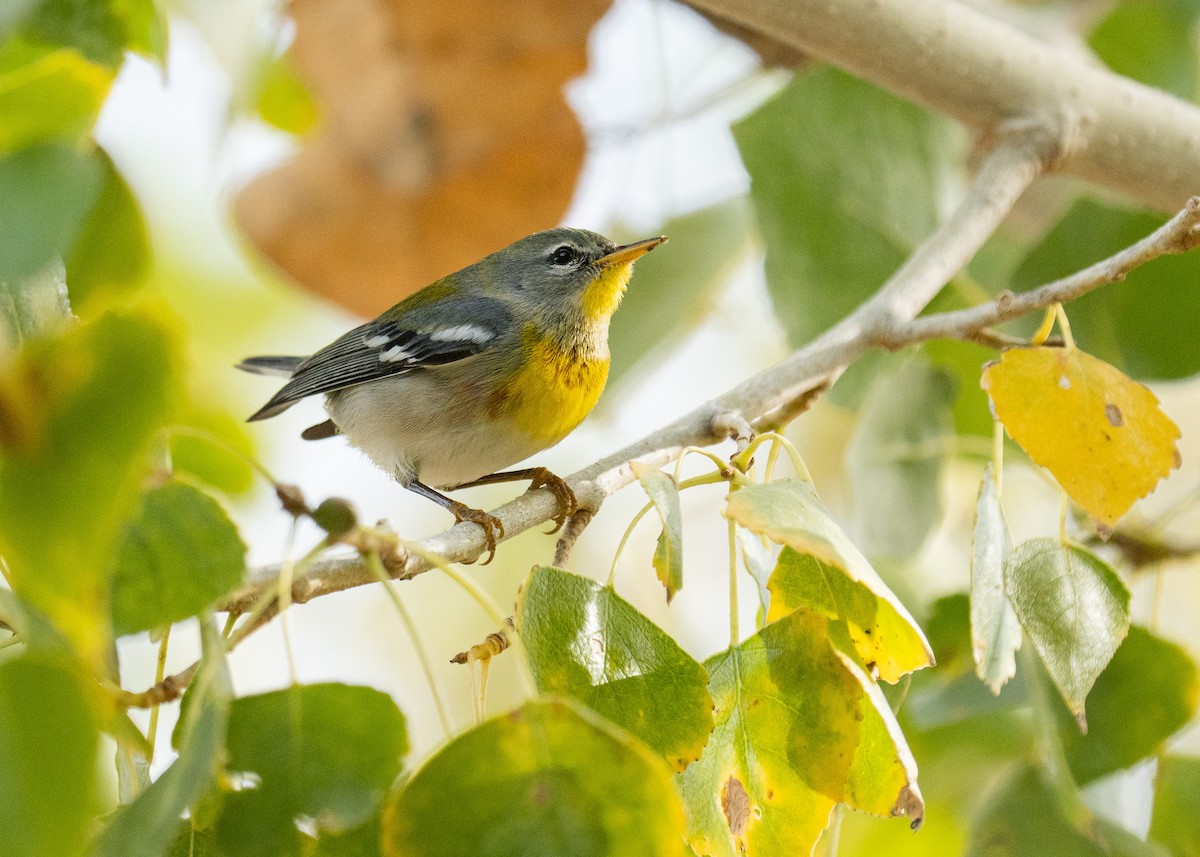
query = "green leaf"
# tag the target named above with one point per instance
(212, 455)
(885, 640)
(112, 253)
(547, 780)
(47, 94)
(1154, 43)
(1074, 608)
(587, 643)
(1175, 822)
(49, 739)
(1146, 693)
(13, 13)
(47, 192)
(152, 822)
(674, 289)
(846, 181)
(789, 513)
(34, 306)
(1142, 325)
(39, 634)
(895, 458)
(193, 841)
(362, 841)
(759, 557)
(1026, 817)
(145, 25)
(81, 412)
(668, 554)
(101, 30)
(995, 630)
(328, 752)
(283, 99)
(800, 728)
(178, 556)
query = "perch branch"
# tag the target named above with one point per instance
(1006, 172)
(885, 320)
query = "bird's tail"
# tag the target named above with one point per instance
(271, 365)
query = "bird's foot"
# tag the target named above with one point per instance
(568, 504)
(493, 528)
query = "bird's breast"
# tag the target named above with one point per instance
(555, 388)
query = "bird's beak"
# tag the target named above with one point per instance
(630, 252)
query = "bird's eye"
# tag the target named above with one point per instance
(564, 255)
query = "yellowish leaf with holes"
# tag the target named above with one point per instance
(1100, 433)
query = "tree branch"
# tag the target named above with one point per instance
(771, 397)
(1178, 235)
(757, 402)
(983, 72)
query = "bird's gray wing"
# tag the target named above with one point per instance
(394, 346)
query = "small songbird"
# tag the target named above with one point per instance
(475, 372)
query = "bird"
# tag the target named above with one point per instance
(477, 371)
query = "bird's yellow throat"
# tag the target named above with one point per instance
(601, 298)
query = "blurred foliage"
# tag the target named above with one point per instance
(283, 101)
(150, 823)
(1143, 325)
(673, 292)
(832, 157)
(111, 254)
(896, 456)
(1155, 43)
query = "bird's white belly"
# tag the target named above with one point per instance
(415, 430)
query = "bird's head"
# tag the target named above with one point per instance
(568, 272)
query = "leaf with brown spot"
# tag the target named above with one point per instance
(800, 728)
(1100, 433)
(442, 137)
(735, 803)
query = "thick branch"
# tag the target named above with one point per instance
(954, 59)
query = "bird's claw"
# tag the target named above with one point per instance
(493, 527)
(568, 504)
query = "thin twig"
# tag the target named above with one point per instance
(1178, 235)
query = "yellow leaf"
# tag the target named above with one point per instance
(1098, 431)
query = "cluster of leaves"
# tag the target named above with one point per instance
(628, 745)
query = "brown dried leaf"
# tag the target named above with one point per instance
(442, 137)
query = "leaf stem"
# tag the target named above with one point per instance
(14, 640)
(1064, 326)
(375, 566)
(742, 460)
(1043, 332)
(160, 670)
(612, 570)
(735, 636)
(286, 575)
(1053, 758)
(477, 593)
(998, 458)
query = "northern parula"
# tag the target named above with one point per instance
(475, 372)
